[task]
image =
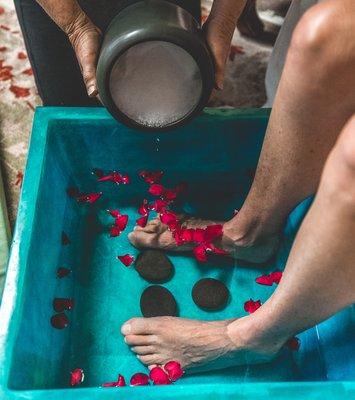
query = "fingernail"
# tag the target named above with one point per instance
(126, 329)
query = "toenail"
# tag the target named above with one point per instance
(126, 329)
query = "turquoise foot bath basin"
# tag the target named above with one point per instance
(216, 156)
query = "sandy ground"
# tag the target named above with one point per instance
(244, 87)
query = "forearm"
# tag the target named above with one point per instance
(227, 11)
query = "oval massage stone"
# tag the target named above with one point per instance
(210, 294)
(154, 266)
(157, 301)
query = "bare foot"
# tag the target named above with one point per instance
(157, 235)
(198, 345)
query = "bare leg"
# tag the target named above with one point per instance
(319, 280)
(315, 98)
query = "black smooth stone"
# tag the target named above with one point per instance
(157, 301)
(154, 266)
(210, 294)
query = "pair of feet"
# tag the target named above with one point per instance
(196, 343)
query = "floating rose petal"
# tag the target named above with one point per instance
(170, 194)
(177, 235)
(213, 232)
(126, 260)
(170, 219)
(125, 179)
(59, 321)
(151, 177)
(63, 272)
(119, 383)
(73, 192)
(200, 253)
(115, 231)
(159, 205)
(62, 304)
(217, 250)
(159, 376)
(187, 235)
(251, 306)
(142, 221)
(264, 280)
(156, 189)
(144, 208)
(121, 222)
(139, 379)
(76, 377)
(89, 198)
(276, 276)
(293, 344)
(174, 370)
(198, 235)
(114, 213)
(65, 239)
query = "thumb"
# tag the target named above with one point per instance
(219, 29)
(86, 41)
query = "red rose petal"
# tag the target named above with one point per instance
(19, 91)
(251, 306)
(159, 205)
(73, 192)
(264, 280)
(76, 377)
(65, 239)
(187, 235)
(198, 235)
(156, 189)
(200, 253)
(114, 213)
(170, 194)
(139, 379)
(119, 383)
(62, 304)
(98, 172)
(276, 276)
(59, 321)
(217, 250)
(125, 179)
(213, 232)
(293, 344)
(2, 10)
(159, 376)
(170, 219)
(121, 222)
(143, 209)
(63, 272)
(174, 370)
(151, 177)
(89, 198)
(142, 221)
(28, 72)
(126, 260)
(115, 231)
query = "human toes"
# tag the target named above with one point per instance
(152, 360)
(142, 238)
(143, 350)
(140, 340)
(139, 326)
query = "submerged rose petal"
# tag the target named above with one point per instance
(251, 306)
(126, 260)
(65, 239)
(170, 194)
(59, 321)
(200, 253)
(76, 377)
(121, 222)
(159, 376)
(114, 213)
(151, 177)
(119, 383)
(62, 304)
(89, 198)
(139, 379)
(293, 344)
(142, 221)
(276, 276)
(63, 272)
(156, 189)
(264, 280)
(144, 208)
(174, 370)
(125, 179)
(73, 192)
